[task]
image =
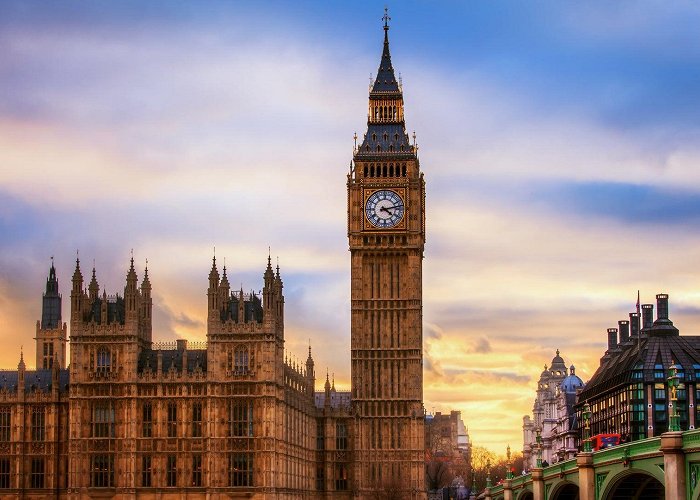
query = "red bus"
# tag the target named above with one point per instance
(602, 441)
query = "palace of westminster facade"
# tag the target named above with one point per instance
(127, 417)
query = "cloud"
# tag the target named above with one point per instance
(480, 346)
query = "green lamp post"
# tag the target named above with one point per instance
(674, 382)
(488, 474)
(509, 464)
(586, 415)
(538, 440)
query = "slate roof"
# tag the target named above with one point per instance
(386, 80)
(339, 399)
(618, 364)
(385, 135)
(148, 358)
(33, 380)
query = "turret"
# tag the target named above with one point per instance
(224, 295)
(93, 287)
(131, 295)
(76, 295)
(310, 374)
(268, 290)
(241, 306)
(213, 291)
(146, 305)
(327, 388)
(51, 333)
(279, 303)
(21, 368)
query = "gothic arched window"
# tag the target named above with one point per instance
(104, 360)
(241, 360)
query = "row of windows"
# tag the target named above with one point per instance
(102, 471)
(240, 419)
(384, 170)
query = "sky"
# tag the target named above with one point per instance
(560, 143)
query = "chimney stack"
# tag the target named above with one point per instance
(634, 325)
(662, 306)
(624, 326)
(647, 316)
(612, 338)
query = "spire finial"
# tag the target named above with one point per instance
(52, 261)
(386, 18)
(77, 257)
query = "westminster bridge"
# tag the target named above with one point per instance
(665, 467)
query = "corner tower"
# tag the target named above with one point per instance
(386, 232)
(51, 332)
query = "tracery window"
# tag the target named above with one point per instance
(197, 419)
(240, 466)
(103, 420)
(36, 477)
(241, 418)
(4, 473)
(172, 420)
(104, 360)
(197, 470)
(5, 421)
(38, 429)
(146, 471)
(147, 414)
(341, 436)
(341, 477)
(171, 471)
(102, 469)
(241, 360)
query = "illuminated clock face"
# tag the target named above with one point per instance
(384, 208)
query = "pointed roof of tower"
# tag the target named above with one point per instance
(386, 80)
(214, 273)
(146, 283)
(77, 275)
(224, 278)
(52, 280)
(131, 275)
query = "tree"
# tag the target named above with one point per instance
(482, 458)
(438, 474)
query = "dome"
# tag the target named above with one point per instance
(558, 368)
(571, 383)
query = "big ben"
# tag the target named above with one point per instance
(386, 231)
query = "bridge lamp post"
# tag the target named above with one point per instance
(509, 464)
(488, 474)
(538, 440)
(673, 383)
(586, 415)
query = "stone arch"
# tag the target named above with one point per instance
(634, 483)
(565, 490)
(525, 494)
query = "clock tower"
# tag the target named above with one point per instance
(386, 232)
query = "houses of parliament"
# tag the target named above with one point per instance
(129, 417)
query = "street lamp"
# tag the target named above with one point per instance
(538, 440)
(488, 473)
(586, 415)
(673, 383)
(509, 465)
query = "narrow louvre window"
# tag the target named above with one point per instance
(171, 472)
(147, 420)
(38, 423)
(36, 478)
(197, 470)
(5, 427)
(172, 420)
(4, 473)
(197, 420)
(146, 471)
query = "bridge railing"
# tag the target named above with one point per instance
(649, 446)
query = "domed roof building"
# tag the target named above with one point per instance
(553, 416)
